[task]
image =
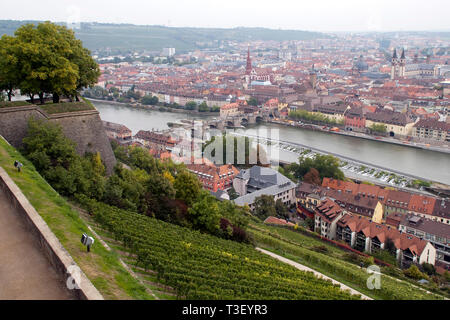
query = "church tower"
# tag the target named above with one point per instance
(402, 64)
(248, 69)
(313, 77)
(394, 66)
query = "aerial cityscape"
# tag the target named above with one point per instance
(225, 159)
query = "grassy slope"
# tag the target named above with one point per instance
(100, 266)
(62, 107)
(297, 247)
(6, 104)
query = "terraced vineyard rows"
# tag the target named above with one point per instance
(200, 266)
(292, 245)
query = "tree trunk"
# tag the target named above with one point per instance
(41, 97)
(55, 98)
(31, 97)
(9, 95)
(76, 98)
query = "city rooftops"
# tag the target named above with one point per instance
(428, 226)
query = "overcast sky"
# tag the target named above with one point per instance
(313, 15)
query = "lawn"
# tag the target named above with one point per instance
(63, 107)
(7, 104)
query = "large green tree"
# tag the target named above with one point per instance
(204, 213)
(187, 187)
(46, 59)
(9, 67)
(326, 165)
(281, 209)
(264, 207)
(227, 149)
(149, 100)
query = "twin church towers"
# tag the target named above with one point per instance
(398, 65)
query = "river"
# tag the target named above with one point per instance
(427, 164)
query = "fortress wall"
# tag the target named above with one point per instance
(14, 122)
(85, 128)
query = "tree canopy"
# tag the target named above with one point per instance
(252, 102)
(264, 207)
(227, 149)
(149, 100)
(45, 59)
(326, 165)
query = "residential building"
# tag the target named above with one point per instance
(334, 112)
(436, 233)
(397, 201)
(393, 201)
(432, 129)
(421, 205)
(327, 214)
(214, 177)
(230, 110)
(355, 120)
(368, 236)
(396, 123)
(168, 52)
(364, 204)
(256, 181)
(154, 140)
(441, 211)
(117, 131)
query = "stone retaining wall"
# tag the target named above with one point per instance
(85, 128)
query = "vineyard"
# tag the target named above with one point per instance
(300, 248)
(200, 266)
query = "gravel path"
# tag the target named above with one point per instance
(25, 271)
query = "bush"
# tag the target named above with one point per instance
(368, 261)
(392, 271)
(447, 276)
(352, 257)
(428, 269)
(320, 248)
(414, 273)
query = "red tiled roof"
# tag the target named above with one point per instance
(274, 220)
(371, 229)
(421, 204)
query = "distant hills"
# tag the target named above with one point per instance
(123, 37)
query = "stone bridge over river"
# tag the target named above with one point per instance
(236, 121)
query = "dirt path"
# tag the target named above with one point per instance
(25, 272)
(317, 274)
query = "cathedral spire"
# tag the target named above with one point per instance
(248, 69)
